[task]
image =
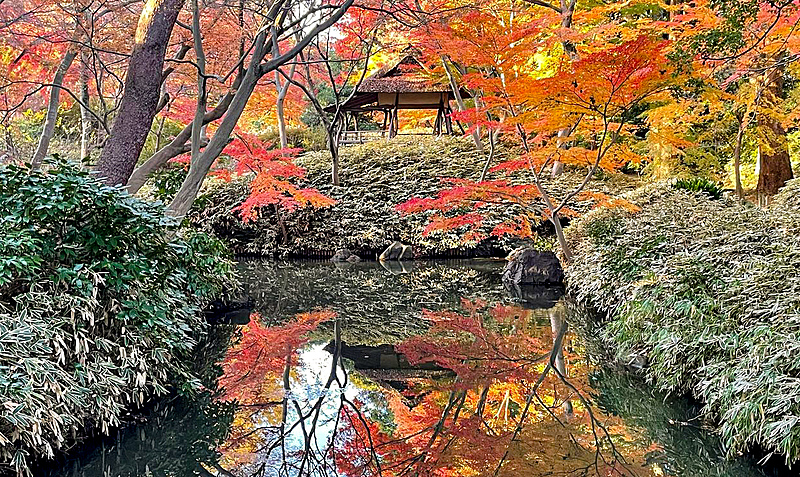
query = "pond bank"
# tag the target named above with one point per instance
(705, 294)
(376, 177)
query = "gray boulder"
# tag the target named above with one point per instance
(345, 255)
(527, 266)
(397, 251)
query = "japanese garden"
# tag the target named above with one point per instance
(390, 238)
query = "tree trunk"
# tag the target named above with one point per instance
(202, 93)
(281, 121)
(775, 166)
(178, 145)
(333, 147)
(282, 90)
(558, 166)
(567, 10)
(737, 160)
(52, 109)
(142, 86)
(562, 240)
(199, 168)
(476, 134)
(86, 118)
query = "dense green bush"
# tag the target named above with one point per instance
(709, 291)
(375, 177)
(700, 184)
(100, 306)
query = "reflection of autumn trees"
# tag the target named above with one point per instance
(515, 404)
(512, 409)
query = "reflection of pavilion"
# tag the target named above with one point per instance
(386, 367)
(403, 85)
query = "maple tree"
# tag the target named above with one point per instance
(591, 97)
(272, 170)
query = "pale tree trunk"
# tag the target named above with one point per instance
(737, 159)
(86, 117)
(562, 240)
(279, 112)
(567, 10)
(558, 166)
(142, 91)
(199, 168)
(333, 131)
(52, 109)
(282, 90)
(476, 134)
(775, 166)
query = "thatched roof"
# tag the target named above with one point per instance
(408, 75)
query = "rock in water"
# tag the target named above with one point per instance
(397, 251)
(527, 266)
(345, 255)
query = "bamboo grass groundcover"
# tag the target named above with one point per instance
(709, 291)
(375, 177)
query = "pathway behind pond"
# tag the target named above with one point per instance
(423, 369)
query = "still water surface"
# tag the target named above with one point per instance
(425, 369)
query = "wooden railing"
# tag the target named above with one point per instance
(360, 137)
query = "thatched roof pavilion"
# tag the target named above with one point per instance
(405, 84)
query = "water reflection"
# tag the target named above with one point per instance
(360, 371)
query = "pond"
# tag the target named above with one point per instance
(424, 369)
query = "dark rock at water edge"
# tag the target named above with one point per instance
(532, 267)
(345, 255)
(397, 251)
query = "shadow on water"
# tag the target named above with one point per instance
(429, 368)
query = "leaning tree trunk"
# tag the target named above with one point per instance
(775, 166)
(52, 109)
(86, 117)
(456, 89)
(142, 87)
(199, 167)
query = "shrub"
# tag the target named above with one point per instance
(100, 306)
(700, 184)
(709, 291)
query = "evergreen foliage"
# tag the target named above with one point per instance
(100, 306)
